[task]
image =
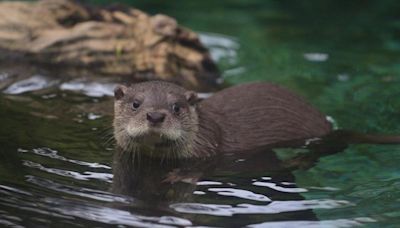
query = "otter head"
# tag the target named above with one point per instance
(155, 118)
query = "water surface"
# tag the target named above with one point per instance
(56, 157)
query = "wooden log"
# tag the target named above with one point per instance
(115, 41)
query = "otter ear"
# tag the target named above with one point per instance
(119, 91)
(191, 97)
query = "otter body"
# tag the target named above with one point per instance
(160, 119)
(255, 115)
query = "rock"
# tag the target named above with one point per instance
(115, 41)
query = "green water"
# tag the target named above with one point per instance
(354, 79)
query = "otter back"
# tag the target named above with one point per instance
(258, 114)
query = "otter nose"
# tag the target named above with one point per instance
(155, 117)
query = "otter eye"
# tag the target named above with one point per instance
(176, 108)
(135, 104)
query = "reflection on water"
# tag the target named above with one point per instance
(41, 210)
(91, 89)
(222, 48)
(316, 224)
(36, 82)
(239, 193)
(274, 207)
(49, 193)
(77, 191)
(316, 57)
(47, 152)
(279, 188)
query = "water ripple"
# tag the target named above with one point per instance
(221, 46)
(6, 222)
(272, 208)
(70, 209)
(200, 183)
(91, 89)
(107, 177)
(36, 82)
(47, 152)
(10, 190)
(79, 191)
(112, 215)
(337, 223)
(274, 186)
(239, 193)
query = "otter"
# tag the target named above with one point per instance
(163, 120)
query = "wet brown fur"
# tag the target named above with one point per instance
(237, 119)
(259, 114)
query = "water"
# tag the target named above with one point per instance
(56, 159)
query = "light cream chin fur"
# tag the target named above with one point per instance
(144, 129)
